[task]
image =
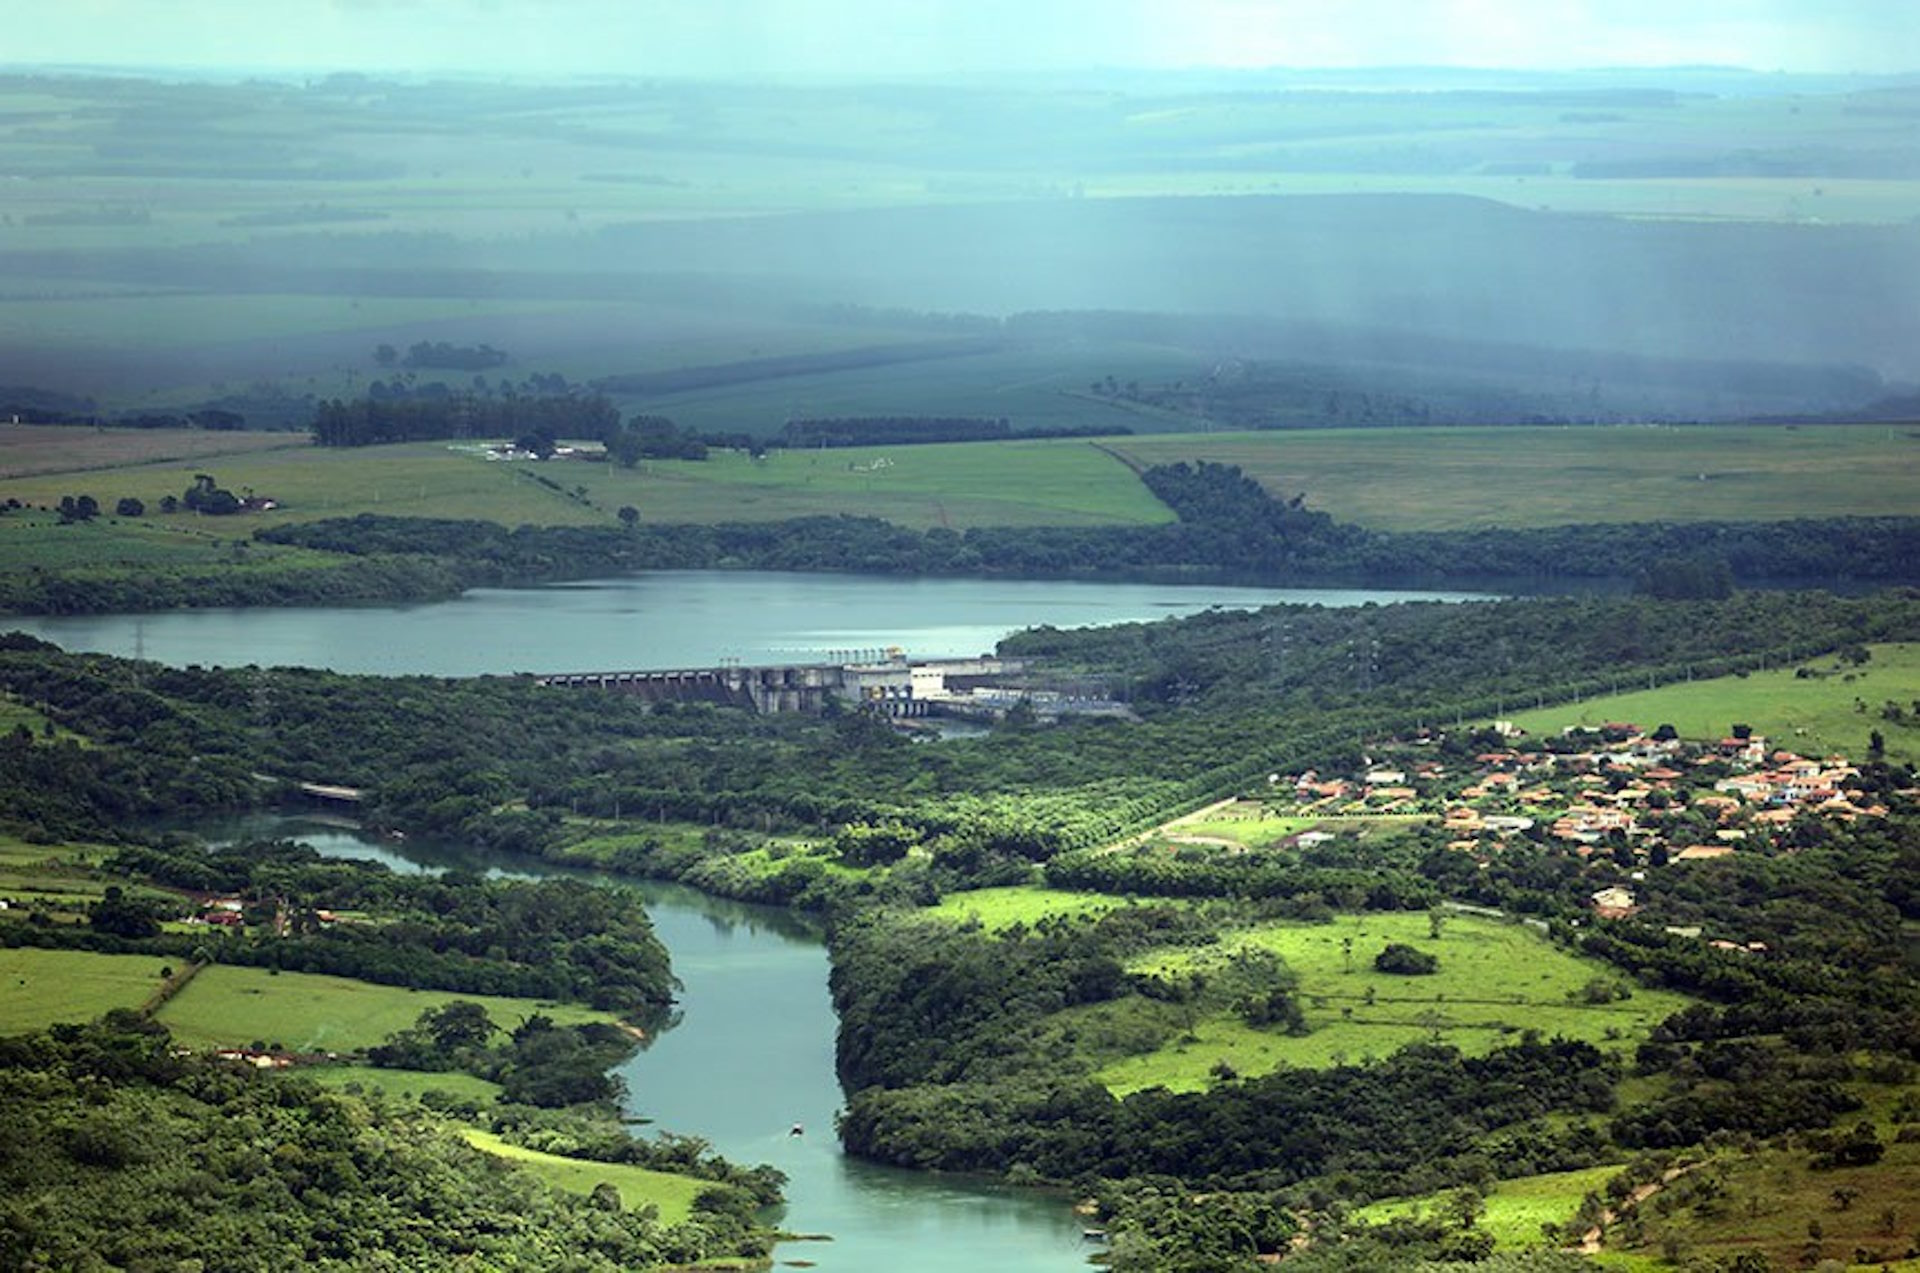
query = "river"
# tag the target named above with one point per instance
(752, 1053)
(674, 619)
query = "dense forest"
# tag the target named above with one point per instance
(123, 1151)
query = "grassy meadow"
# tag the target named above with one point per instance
(61, 880)
(1495, 980)
(639, 1187)
(39, 988)
(997, 909)
(1515, 1209)
(309, 1012)
(1005, 484)
(1047, 483)
(1394, 479)
(27, 450)
(1832, 711)
(403, 1084)
(1520, 477)
(37, 540)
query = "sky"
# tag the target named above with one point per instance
(757, 38)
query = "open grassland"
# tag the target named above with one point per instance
(405, 1084)
(107, 545)
(308, 1012)
(29, 449)
(1000, 484)
(1461, 478)
(1495, 980)
(428, 479)
(638, 1186)
(1246, 824)
(41, 987)
(61, 881)
(997, 909)
(1030, 386)
(1833, 710)
(1515, 1209)
(1774, 1202)
(1050, 483)
(1392, 479)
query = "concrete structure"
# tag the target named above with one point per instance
(884, 681)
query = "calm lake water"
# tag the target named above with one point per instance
(752, 1053)
(679, 619)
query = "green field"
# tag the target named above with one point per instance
(1816, 715)
(1245, 825)
(61, 880)
(1515, 1209)
(27, 449)
(1048, 483)
(308, 1012)
(405, 1084)
(38, 541)
(1459, 478)
(1771, 1200)
(1390, 479)
(416, 480)
(1006, 484)
(41, 987)
(997, 909)
(1495, 980)
(638, 1186)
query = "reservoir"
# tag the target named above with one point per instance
(752, 1052)
(665, 620)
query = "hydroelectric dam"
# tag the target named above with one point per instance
(883, 681)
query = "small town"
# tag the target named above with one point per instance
(1644, 800)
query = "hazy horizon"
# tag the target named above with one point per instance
(777, 38)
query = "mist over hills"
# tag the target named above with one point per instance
(1697, 242)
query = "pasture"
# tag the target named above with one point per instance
(61, 880)
(309, 1012)
(1067, 482)
(402, 1084)
(997, 909)
(41, 987)
(1834, 710)
(38, 540)
(1495, 980)
(1521, 477)
(1515, 1209)
(1041, 483)
(639, 1187)
(27, 450)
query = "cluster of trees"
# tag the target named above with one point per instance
(441, 354)
(537, 1063)
(552, 939)
(652, 437)
(122, 1151)
(374, 421)
(208, 497)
